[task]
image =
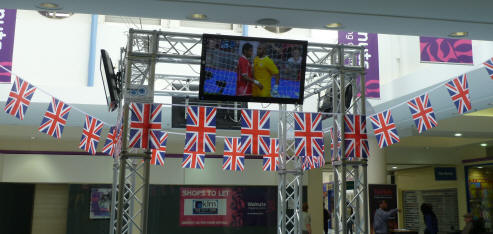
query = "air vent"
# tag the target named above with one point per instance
(131, 20)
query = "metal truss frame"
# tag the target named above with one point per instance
(349, 212)
(325, 67)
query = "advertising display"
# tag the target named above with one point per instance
(370, 41)
(252, 69)
(7, 33)
(378, 193)
(445, 50)
(227, 206)
(100, 203)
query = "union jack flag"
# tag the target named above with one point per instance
(201, 129)
(255, 131)
(234, 157)
(308, 162)
(157, 156)
(111, 139)
(55, 118)
(355, 137)
(308, 136)
(489, 67)
(19, 98)
(91, 134)
(193, 160)
(332, 144)
(271, 160)
(384, 128)
(459, 92)
(145, 124)
(321, 161)
(422, 113)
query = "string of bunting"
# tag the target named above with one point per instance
(145, 130)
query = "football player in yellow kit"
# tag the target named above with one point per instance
(263, 71)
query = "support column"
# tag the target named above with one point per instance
(315, 200)
(377, 163)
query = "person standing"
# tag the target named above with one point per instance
(326, 219)
(245, 79)
(430, 219)
(306, 227)
(263, 70)
(380, 220)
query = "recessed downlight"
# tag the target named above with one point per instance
(483, 144)
(394, 167)
(268, 22)
(198, 16)
(458, 134)
(458, 34)
(480, 167)
(333, 25)
(49, 6)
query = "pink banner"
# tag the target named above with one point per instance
(445, 50)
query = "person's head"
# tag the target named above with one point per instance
(247, 50)
(383, 205)
(305, 207)
(468, 217)
(296, 53)
(261, 50)
(426, 208)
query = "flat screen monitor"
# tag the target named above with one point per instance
(249, 69)
(110, 82)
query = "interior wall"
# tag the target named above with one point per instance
(98, 170)
(50, 209)
(424, 179)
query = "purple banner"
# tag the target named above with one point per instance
(7, 33)
(445, 50)
(370, 41)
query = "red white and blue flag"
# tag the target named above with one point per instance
(271, 159)
(145, 124)
(91, 134)
(111, 140)
(308, 136)
(255, 131)
(458, 89)
(384, 128)
(55, 118)
(333, 143)
(422, 113)
(489, 67)
(19, 98)
(234, 157)
(355, 137)
(157, 156)
(201, 129)
(320, 161)
(193, 160)
(308, 162)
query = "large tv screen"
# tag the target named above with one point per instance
(249, 69)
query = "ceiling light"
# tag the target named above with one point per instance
(480, 167)
(198, 16)
(458, 34)
(268, 21)
(458, 134)
(483, 144)
(334, 25)
(49, 6)
(394, 167)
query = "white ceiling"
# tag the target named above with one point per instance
(419, 17)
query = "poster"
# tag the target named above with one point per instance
(100, 203)
(377, 193)
(445, 50)
(370, 41)
(7, 33)
(228, 206)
